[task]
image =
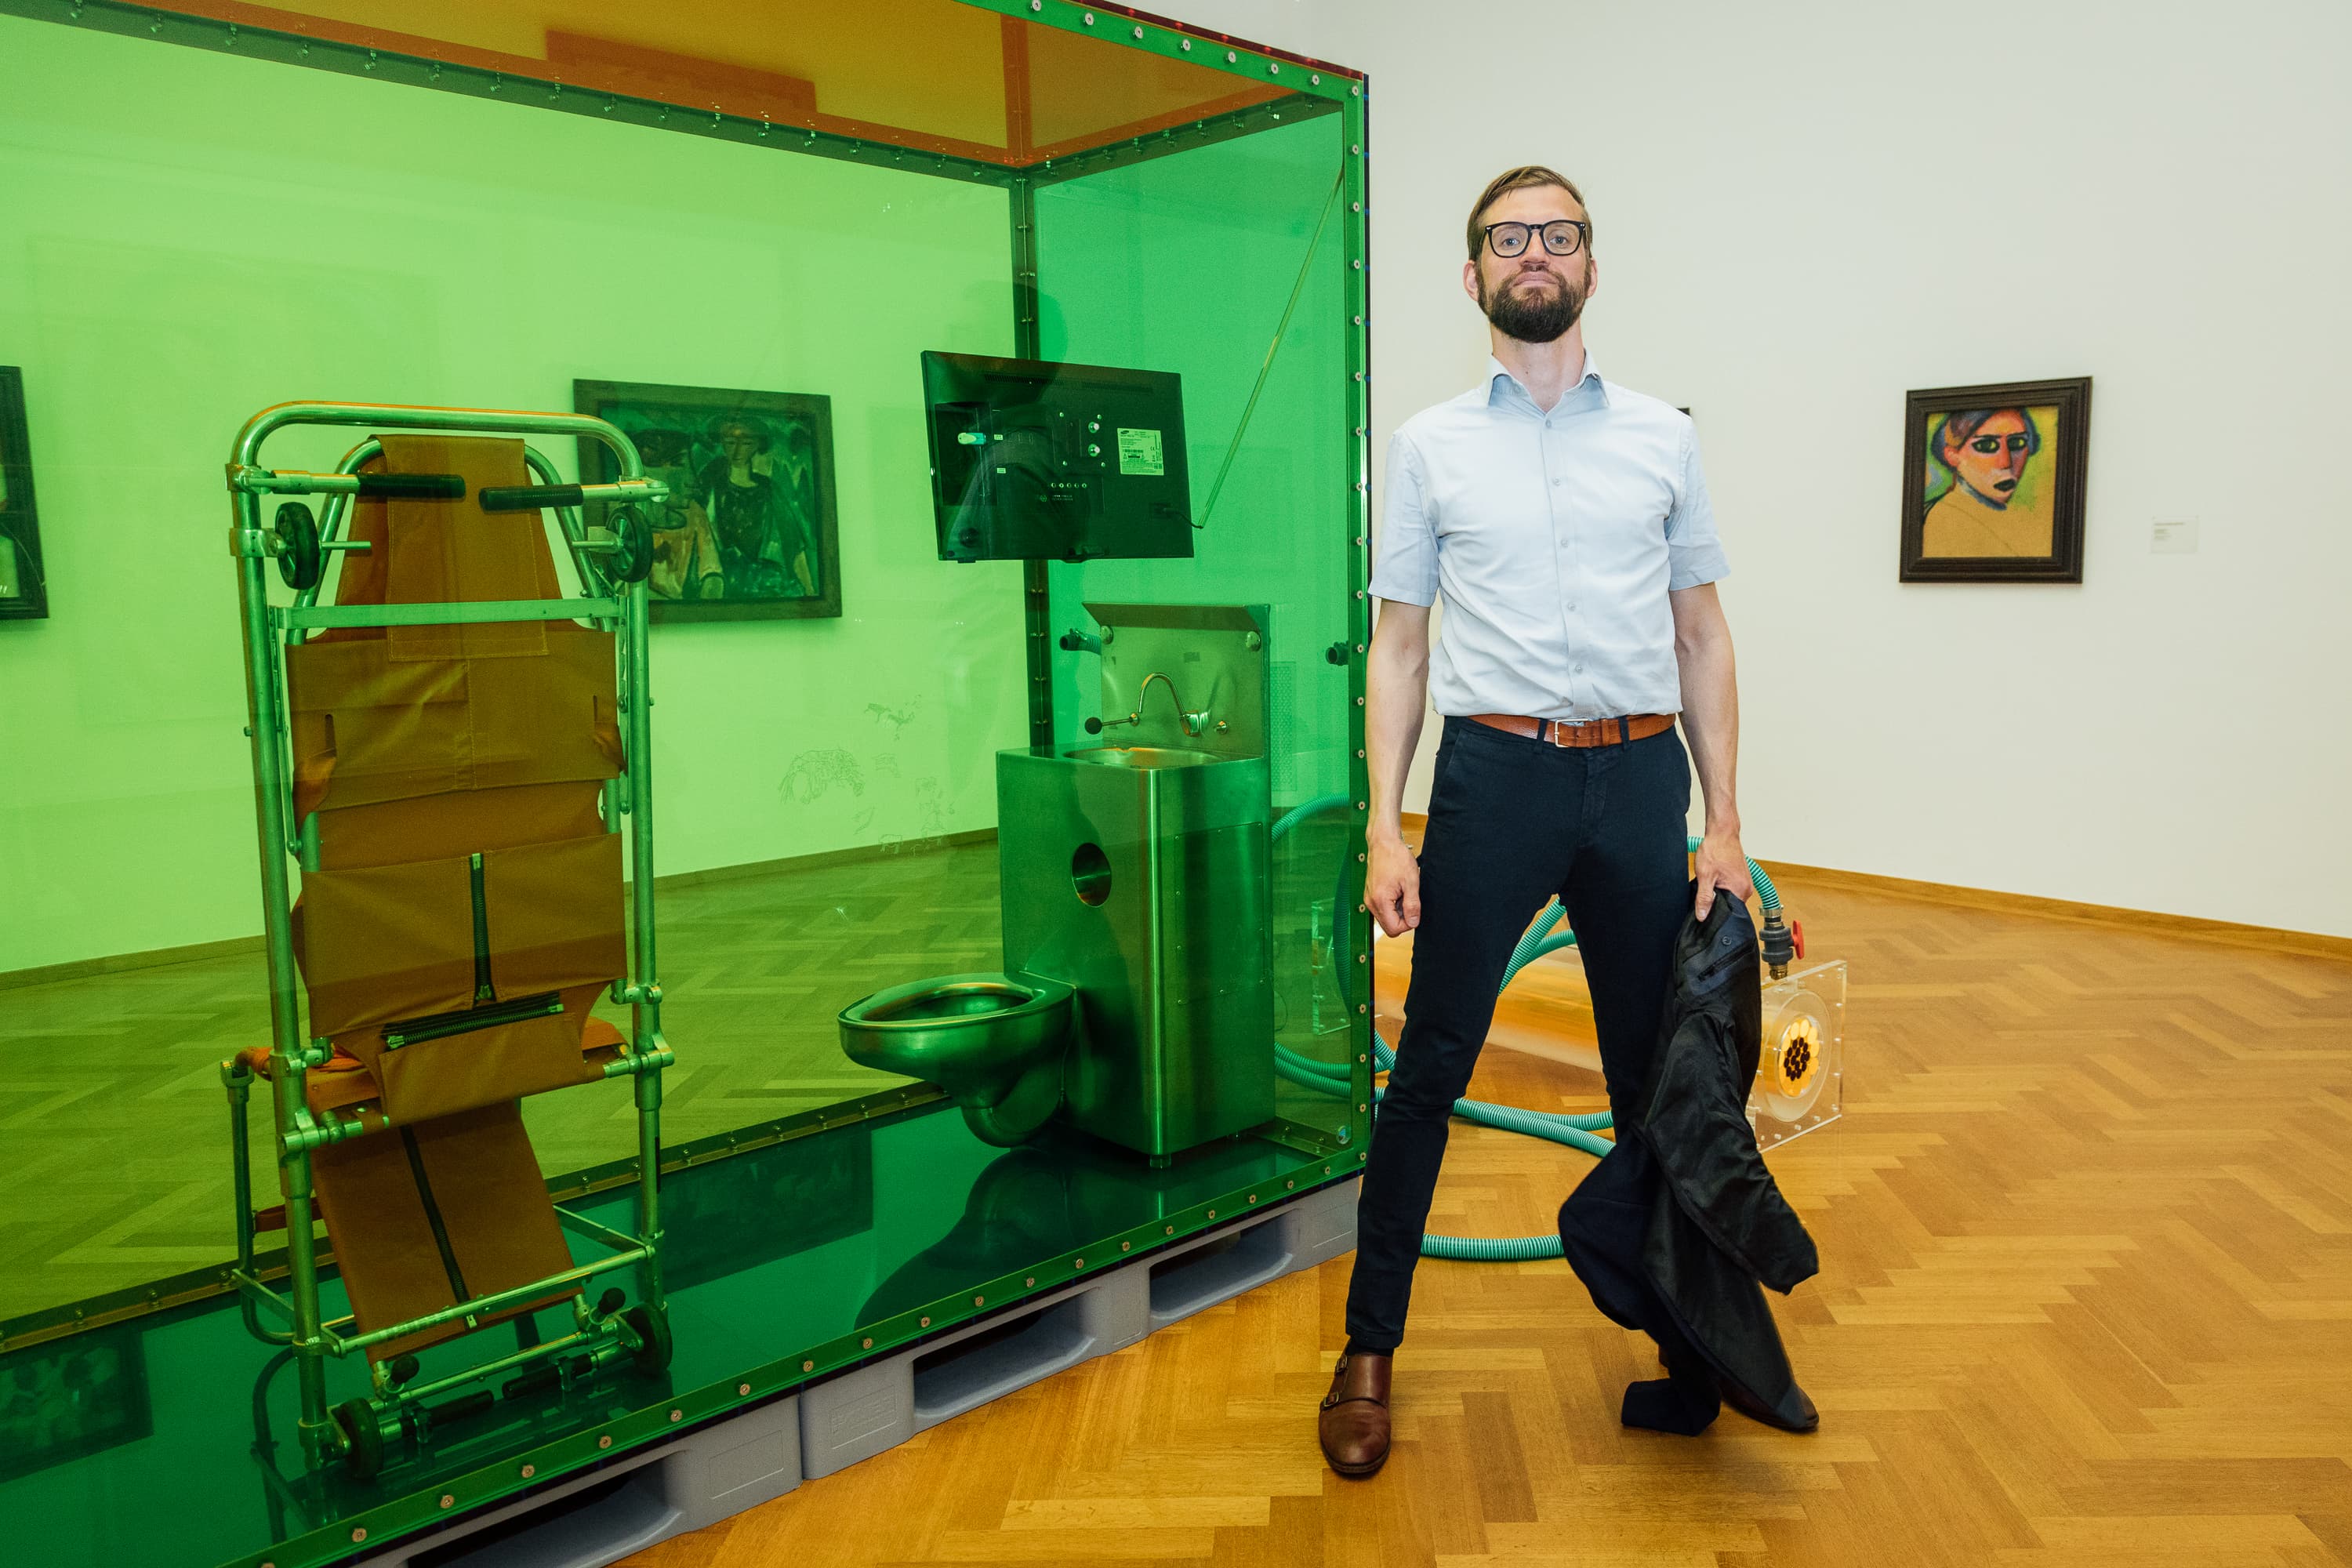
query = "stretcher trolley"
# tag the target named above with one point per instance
(446, 755)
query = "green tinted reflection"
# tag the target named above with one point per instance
(170, 1438)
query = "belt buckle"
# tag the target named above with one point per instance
(1561, 726)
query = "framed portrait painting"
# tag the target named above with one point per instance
(750, 530)
(1993, 482)
(23, 590)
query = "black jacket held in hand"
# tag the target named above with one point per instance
(1673, 1231)
(1695, 1108)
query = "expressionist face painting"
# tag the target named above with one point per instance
(1990, 483)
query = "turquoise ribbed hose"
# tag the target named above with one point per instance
(1578, 1131)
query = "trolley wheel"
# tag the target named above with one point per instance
(362, 1438)
(634, 560)
(299, 556)
(652, 1329)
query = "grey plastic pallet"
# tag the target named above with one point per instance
(697, 1480)
(859, 1414)
(751, 1456)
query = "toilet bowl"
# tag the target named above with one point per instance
(995, 1043)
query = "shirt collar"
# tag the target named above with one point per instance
(1498, 376)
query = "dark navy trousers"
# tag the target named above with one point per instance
(1513, 821)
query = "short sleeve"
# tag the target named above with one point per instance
(1693, 553)
(1405, 564)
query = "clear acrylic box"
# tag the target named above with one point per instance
(1799, 1078)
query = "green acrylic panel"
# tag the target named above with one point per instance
(1123, 259)
(202, 235)
(206, 230)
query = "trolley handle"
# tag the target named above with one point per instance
(413, 487)
(530, 497)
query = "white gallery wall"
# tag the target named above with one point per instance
(1803, 210)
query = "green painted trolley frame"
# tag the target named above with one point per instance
(359, 1431)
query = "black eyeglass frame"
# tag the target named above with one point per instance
(1583, 237)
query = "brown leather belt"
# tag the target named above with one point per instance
(1591, 732)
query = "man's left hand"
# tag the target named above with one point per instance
(1721, 863)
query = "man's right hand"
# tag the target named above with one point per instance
(1393, 885)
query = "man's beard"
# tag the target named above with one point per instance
(1533, 316)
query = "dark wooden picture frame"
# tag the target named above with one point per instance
(707, 567)
(2024, 460)
(24, 581)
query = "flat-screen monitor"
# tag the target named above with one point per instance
(1036, 461)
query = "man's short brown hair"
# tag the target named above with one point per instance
(1519, 179)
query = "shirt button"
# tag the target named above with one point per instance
(1555, 484)
(1579, 670)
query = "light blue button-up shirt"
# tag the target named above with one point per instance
(1554, 539)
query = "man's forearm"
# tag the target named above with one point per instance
(1396, 694)
(1711, 724)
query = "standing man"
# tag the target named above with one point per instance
(1565, 521)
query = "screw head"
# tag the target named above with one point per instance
(1080, 1264)
(1315, 80)
(1230, 57)
(808, 1366)
(743, 1390)
(1167, 1230)
(677, 1415)
(979, 1300)
(1213, 1214)
(1186, 45)
(448, 1502)
(359, 1535)
(605, 1441)
(1138, 32)
(1125, 1245)
(1090, 19)
(1288, 1185)
(866, 1344)
(1030, 1283)
(529, 1471)
(1252, 1198)
(927, 1322)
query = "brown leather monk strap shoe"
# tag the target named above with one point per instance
(1802, 1417)
(1354, 1421)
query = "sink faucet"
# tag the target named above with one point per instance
(1194, 722)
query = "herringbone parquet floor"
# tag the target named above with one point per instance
(2086, 1232)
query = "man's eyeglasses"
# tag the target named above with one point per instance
(1561, 236)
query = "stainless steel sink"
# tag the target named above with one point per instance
(1142, 757)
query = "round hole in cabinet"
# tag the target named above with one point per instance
(1090, 874)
